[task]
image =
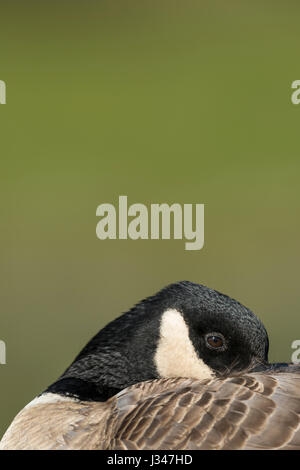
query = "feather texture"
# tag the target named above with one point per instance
(252, 411)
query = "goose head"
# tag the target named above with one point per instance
(185, 330)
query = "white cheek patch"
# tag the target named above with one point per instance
(175, 355)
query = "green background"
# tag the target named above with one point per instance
(162, 101)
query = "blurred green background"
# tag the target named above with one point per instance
(163, 101)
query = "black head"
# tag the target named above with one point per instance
(185, 330)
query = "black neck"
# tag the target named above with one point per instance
(120, 355)
(81, 389)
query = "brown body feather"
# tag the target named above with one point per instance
(253, 411)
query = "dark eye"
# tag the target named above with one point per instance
(215, 341)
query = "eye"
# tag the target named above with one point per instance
(215, 341)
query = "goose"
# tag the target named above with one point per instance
(186, 368)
